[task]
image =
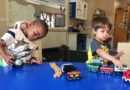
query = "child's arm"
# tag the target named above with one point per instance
(56, 69)
(8, 58)
(106, 56)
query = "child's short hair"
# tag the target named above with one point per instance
(99, 22)
(41, 23)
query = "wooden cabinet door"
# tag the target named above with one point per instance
(120, 35)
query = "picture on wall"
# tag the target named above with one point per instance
(59, 20)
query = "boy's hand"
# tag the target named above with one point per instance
(106, 56)
(117, 63)
(9, 59)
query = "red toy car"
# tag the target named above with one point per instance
(73, 75)
(106, 70)
(126, 75)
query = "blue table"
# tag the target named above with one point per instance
(40, 77)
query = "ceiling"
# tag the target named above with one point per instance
(50, 3)
(55, 2)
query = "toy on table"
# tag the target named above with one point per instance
(92, 67)
(106, 69)
(125, 68)
(73, 75)
(98, 65)
(95, 65)
(71, 72)
(18, 63)
(98, 62)
(112, 69)
(126, 76)
(67, 68)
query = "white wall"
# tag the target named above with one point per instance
(54, 39)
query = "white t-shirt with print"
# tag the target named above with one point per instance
(19, 45)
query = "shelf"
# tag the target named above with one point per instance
(80, 32)
(58, 29)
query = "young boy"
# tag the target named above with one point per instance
(17, 43)
(98, 48)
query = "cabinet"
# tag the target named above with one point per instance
(3, 16)
(72, 41)
(78, 9)
(122, 26)
(77, 41)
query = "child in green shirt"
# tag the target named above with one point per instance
(98, 48)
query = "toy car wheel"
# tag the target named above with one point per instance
(77, 78)
(109, 72)
(70, 79)
(128, 80)
(103, 72)
(124, 78)
(89, 70)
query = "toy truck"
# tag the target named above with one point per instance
(92, 67)
(125, 68)
(97, 62)
(73, 75)
(106, 69)
(126, 76)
